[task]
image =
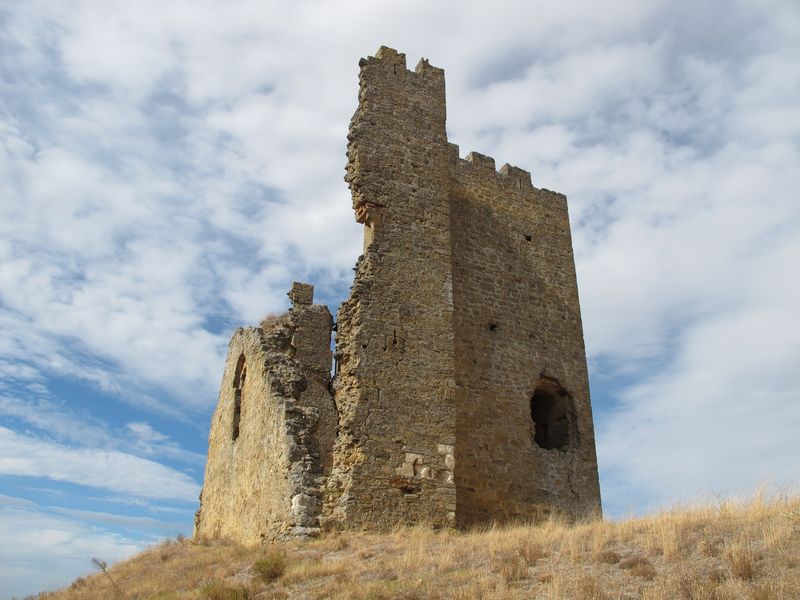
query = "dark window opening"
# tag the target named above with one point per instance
(238, 386)
(528, 238)
(492, 326)
(553, 415)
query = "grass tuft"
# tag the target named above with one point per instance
(219, 590)
(272, 566)
(741, 560)
(639, 566)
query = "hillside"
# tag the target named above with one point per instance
(728, 551)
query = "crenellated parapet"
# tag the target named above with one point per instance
(515, 177)
(480, 166)
(391, 62)
(384, 77)
(477, 176)
(399, 127)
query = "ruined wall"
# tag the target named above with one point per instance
(272, 432)
(517, 326)
(394, 387)
(461, 390)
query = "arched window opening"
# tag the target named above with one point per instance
(553, 415)
(238, 386)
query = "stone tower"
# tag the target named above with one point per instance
(460, 393)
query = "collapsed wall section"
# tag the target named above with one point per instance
(525, 442)
(394, 387)
(272, 432)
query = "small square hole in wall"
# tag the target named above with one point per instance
(528, 237)
(492, 326)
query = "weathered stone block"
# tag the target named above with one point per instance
(301, 293)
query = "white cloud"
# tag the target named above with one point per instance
(146, 440)
(49, 551)
(125, 521)
(79, 427)
(47, 416)
(16, 502)
(105, 469)
(723, 418)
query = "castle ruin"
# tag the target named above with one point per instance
(460, 394)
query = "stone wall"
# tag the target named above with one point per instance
(394, 385)
(272, 433)
(517, 328)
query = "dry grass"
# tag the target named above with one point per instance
(271, 566)
(639, 566)
(723, 552)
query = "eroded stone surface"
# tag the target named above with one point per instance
(264, 477)
(461, 392)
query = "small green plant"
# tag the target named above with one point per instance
(271, 566)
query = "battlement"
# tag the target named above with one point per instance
(394, 61)
(481, 166)
(390, 56)
(389, 65)
(481, 161)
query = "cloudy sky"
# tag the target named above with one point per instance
(168, 168)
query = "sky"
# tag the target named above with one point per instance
(167, 169)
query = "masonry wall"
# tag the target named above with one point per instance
(517, 326)
(394, 386)
(267, 464)
(245, 492)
